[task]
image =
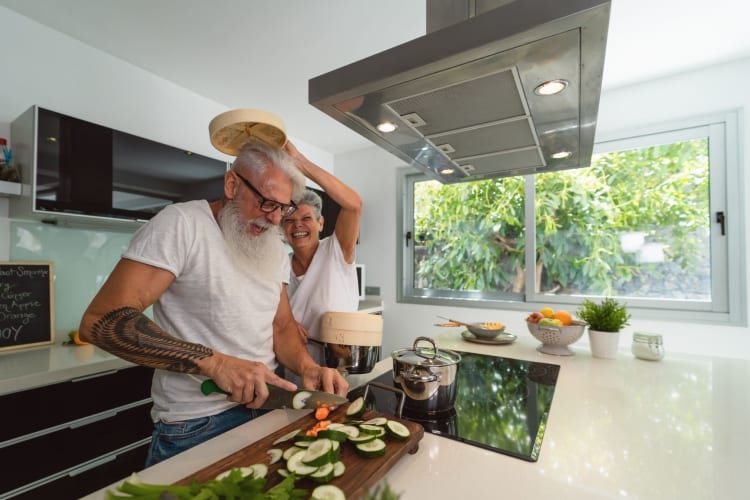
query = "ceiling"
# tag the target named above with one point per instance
(261, 53)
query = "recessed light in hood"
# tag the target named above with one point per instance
(463, 98)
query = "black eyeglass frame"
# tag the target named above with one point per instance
(267, 205)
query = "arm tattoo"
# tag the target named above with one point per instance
(129, 334)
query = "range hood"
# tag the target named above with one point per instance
(464, 98)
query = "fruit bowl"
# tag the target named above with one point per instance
(486, 331)
(556, 339)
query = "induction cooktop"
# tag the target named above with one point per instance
(502, 404)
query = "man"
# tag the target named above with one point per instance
(214, 273)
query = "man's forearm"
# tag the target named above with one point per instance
(131, 335)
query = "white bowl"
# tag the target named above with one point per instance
(556, 339)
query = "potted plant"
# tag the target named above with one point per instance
(605, 320)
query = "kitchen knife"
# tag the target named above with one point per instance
(279, 398)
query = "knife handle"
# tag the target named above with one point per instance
(208, 386)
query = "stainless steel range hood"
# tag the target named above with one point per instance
(463, 98)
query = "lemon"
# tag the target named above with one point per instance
(547, 312)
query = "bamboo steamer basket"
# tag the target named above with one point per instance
(231, 130)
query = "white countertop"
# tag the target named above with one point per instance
(24, 369)
(624, 428)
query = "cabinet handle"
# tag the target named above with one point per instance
(95, 375)
(92, 465)
(94, 418)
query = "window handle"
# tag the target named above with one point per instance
(721, 219)
(408, 237)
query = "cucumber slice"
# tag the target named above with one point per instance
(287, 437)
(376, 421)
(374, 448)
(318, 453)
(303, 444)
(301, 436)
(274, 455)
(397, 430)
(335, 451)
(299, 400)
(295, 464)
(338, 469)
(255, 471)
(356, 407)
(370, 429)
(362, 438)
(323, 474)
(283, 472)
(333, 434)
(291, 451)
(327, 492)
(350, 430)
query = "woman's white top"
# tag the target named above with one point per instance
(329, 284)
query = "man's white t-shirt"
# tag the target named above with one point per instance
(329, 284)
(210, 302)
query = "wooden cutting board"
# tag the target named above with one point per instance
(361, 473)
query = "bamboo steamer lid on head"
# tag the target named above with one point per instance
(231, 130)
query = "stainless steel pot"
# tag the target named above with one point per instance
(427, 375)
(352, 358)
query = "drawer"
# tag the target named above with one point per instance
(28, 461)
(56, 404)
(90, 480)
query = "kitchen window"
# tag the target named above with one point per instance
(655, 220)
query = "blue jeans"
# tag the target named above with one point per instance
(171, 438)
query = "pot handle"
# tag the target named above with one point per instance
(419, 352)
(412, 376)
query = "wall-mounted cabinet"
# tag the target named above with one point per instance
(76, 172)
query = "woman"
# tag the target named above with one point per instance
(323, 276)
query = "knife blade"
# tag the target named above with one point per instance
(280, 399)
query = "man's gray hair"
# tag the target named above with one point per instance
(256, 156)
(313, 200)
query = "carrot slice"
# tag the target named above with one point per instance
(322, 413)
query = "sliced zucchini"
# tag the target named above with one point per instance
(304, 437)
(338, 469)
(299, 400)
(397, 430)
(287, 437)
(274, 455)
(371, 429)
(362, 438)
(283, 472)
(356, 407)
(318, 453)
(256, 471)
(327, 492)
(295, 464)
(371, 449)
(335, 451)
(303, 444)
(333, 434)
(350, 430)
(376, 421)
(323, 474)
(291, 451)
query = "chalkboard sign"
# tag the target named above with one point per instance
(26, 304)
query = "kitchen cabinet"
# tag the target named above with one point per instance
(66, 439)
(10, 188)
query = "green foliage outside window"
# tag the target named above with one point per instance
(471, 236)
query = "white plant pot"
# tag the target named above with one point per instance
(604, 344)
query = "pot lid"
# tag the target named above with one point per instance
(230, 131)
(426, 356)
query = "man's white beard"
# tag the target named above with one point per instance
(259, 255)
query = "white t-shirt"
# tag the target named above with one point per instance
(210, 302)
(329, 284)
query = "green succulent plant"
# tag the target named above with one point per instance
(609, 316)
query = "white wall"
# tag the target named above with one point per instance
(373, 172)
(45, 67)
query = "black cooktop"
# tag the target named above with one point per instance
(501, 404)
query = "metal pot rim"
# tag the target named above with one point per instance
(426, 357)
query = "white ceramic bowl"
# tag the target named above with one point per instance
(556, 339)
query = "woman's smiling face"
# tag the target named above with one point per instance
(302, 228)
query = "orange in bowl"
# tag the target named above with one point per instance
(564, 316)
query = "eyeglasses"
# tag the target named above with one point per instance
(266, 205)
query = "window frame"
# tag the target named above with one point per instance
(728, 294)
